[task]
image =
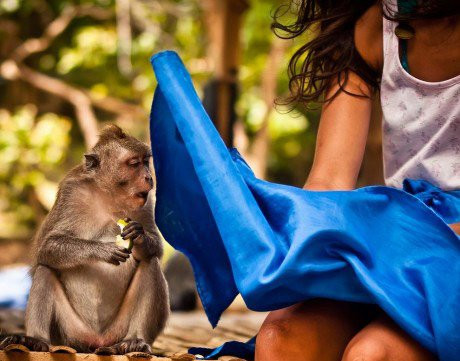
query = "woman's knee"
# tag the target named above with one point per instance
(279, 337)
(273, 334)
(366, 349)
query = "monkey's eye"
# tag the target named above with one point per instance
(122, 183)
(134, 163)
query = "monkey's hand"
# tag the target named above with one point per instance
(133, 231)
(145, 244)
(114, 254)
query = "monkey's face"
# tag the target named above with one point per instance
(133, 180)
(123, 173)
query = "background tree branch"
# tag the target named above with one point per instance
(56, 27)
(123, 11)
(82, 100)
(79, 99)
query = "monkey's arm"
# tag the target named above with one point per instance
(61, 251)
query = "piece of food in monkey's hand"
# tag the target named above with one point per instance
(125, 243)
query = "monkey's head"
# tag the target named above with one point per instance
(119, 164)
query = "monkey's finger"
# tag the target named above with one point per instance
(130, 227)
(132, 235)
(114, 261)
(127, 220)
(138, 240)
(123, 250)
(131, 222)
(121, 260)
(121, 253)
(129, 234)
(122, 256)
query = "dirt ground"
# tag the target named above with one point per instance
(184, 330)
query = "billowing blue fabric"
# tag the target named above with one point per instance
(278, 245)
(445, 204)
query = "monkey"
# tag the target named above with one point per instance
(87, 292)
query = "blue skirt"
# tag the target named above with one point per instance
(278, 245)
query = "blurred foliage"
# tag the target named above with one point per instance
(30, 147)
(40, 137)
(292, 131)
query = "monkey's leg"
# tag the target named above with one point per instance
(152, 310)
(39, 311)
(48, 302)
(145, 310)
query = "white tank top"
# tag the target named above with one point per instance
(421, 123)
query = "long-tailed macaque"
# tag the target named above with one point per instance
(87, 292)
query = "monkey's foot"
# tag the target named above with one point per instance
(124, 347)
(32, 343)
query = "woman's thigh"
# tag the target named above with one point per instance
(383, 340)
(316, 330)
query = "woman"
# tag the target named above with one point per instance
(354, 54)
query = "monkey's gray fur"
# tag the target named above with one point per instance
(87, 292)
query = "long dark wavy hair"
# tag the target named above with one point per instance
(330, 54)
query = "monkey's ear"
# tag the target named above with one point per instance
(91, 161)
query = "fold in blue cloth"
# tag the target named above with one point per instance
(233, 348)
(278, 245)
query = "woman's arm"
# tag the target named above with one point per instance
(341, 138)
(344, 124)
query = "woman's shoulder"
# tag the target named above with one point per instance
(368, 36)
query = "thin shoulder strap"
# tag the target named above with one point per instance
(404, 7)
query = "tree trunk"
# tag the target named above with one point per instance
(223, 19)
